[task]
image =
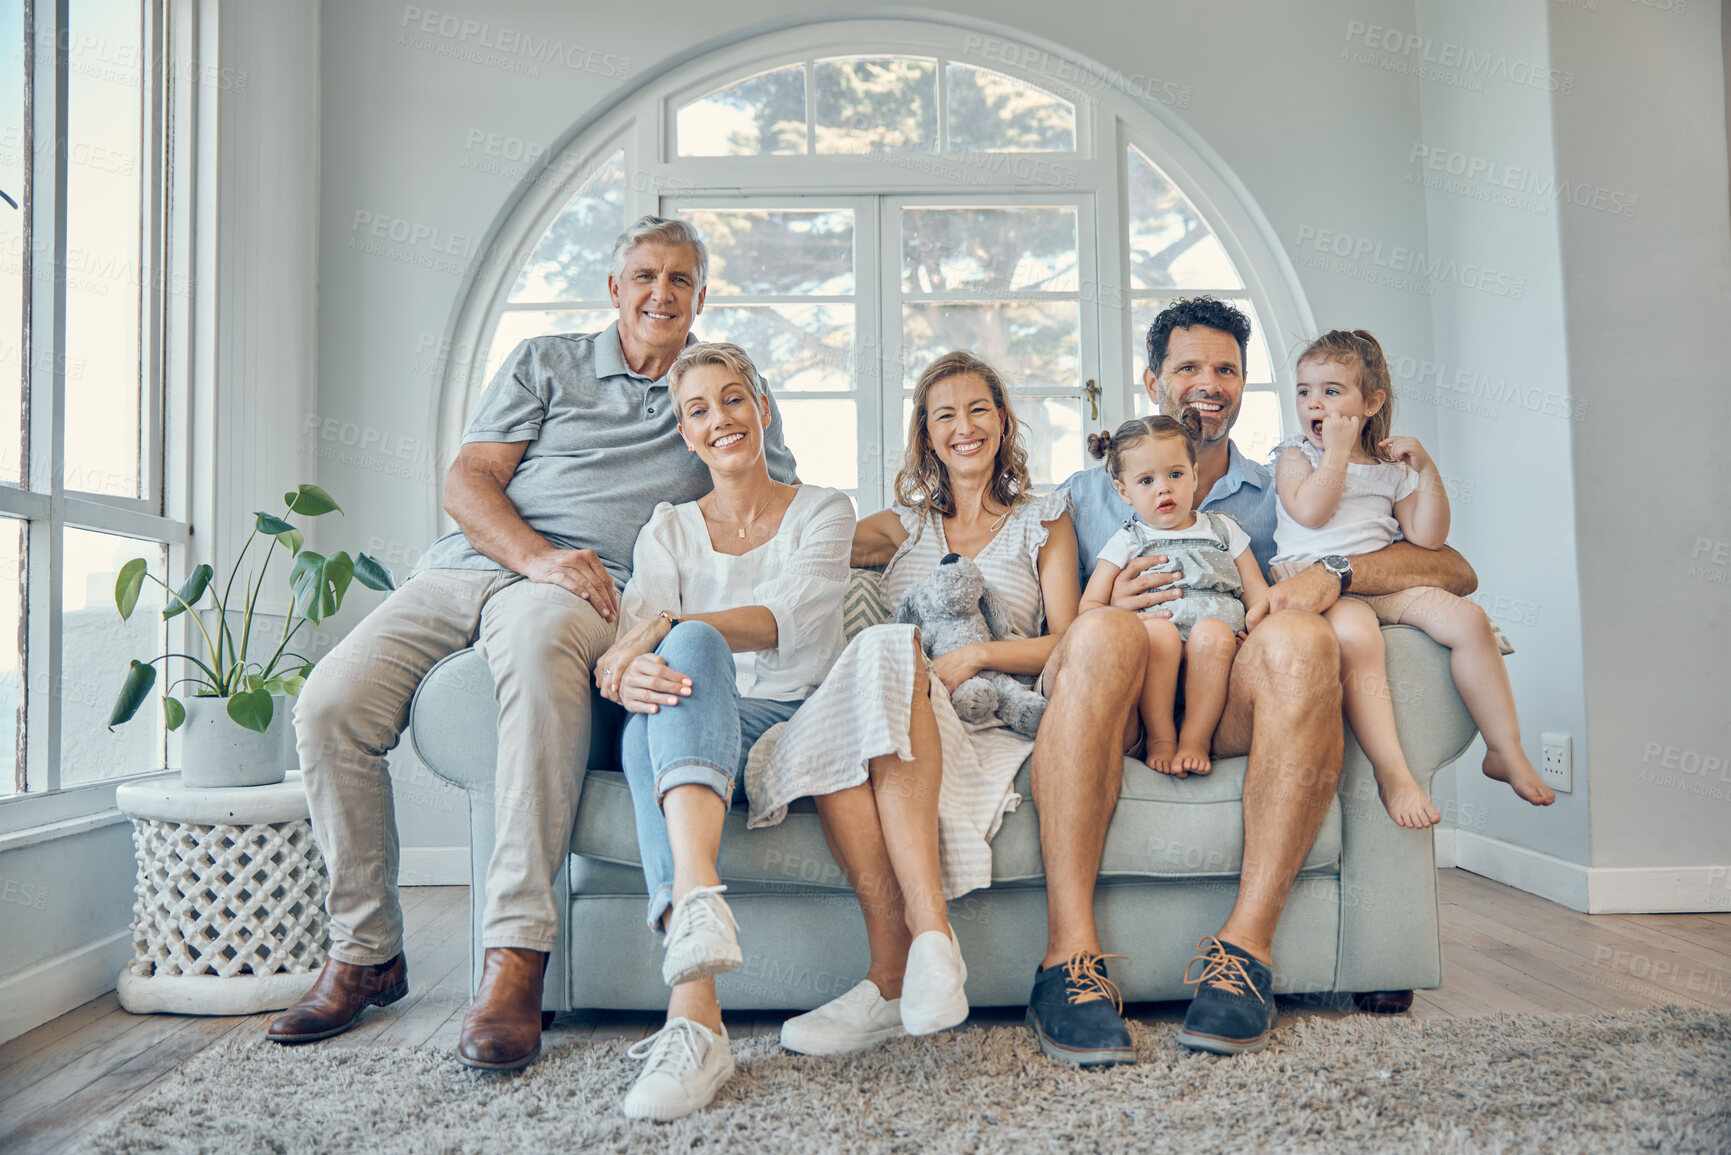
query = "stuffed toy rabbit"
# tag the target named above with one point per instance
(953, 608)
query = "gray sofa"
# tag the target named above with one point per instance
(1361, 917)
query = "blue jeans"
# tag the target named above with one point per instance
(703, 741)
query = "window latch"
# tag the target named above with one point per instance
(1093, 392)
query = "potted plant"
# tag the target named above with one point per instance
(237, 729)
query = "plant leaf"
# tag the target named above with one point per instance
(196, 584)
(173, 711)
(370, 572)
(319, 583)
(254, 681)
(126, 587)
(292, 685)
(252, 709)
(139, 679)
(292, 539)
(311, 501)
(270, 525)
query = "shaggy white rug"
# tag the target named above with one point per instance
(1656, 1080)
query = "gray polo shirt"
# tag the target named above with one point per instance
(604, 449)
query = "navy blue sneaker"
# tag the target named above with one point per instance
(1075, 1011)
(1233, 1010)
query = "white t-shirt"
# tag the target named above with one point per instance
(799, 575)
(1362, 523)
(1122, 546)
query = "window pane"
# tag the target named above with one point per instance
(824, 437)
(1032, 344)
(104, 237)
(11, 653)
(1143, 310)
(1169, 244)
(989, 112)
(518, 326)
(97, 649)
(795, 347)
(777, 251)
(570, 263)
(11, 249)
(763, 115)
(877, 104)
(1029, 247)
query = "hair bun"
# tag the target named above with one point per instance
(1098, 444)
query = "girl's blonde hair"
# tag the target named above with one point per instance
(1363, 352)
(923, 479)
(1112, 446)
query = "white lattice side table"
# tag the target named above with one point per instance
(229, 917)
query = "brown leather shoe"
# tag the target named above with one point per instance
(502, 1031)
(337, 998)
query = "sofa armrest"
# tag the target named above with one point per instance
(1387, 872)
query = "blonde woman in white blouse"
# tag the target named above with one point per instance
(731, 619)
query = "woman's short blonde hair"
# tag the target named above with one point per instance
(728, 356)
(923, 480)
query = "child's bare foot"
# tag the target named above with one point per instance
(1518, 772)
(1160, 756)
(1192, 756)
(1405, 802)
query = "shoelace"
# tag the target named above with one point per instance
(703, 909)
(1085, 980)
(1220, 970)
(674, 1049)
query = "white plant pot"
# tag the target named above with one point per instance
(217, 751)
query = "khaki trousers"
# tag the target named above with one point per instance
(541, 642)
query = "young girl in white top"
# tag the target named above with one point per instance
(1152, 461)
(1347, 487)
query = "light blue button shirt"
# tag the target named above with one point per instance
(1245, 491)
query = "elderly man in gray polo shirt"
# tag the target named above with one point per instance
(574, 443)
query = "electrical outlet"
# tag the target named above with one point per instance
(1556, 764)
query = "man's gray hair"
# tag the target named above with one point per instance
(663, 231)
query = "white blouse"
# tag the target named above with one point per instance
(799, 575)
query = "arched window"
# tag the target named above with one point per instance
(876, 193)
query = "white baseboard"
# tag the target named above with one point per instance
(433, 866)
(1445, 847)
(41, 993)
(1595, 889)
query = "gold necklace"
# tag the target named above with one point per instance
(741, 528)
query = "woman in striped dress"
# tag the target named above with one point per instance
(909, 794)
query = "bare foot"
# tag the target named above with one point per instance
(1405, 802)
(1192, 756)
(1160, 756)
(1518, 772)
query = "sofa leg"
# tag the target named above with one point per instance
(1383, 1002)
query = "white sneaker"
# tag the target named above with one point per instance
(687, 1064)
(932, 997)
(856, 1021)
(702, 938)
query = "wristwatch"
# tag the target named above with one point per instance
(1341, 568)
(673, 619)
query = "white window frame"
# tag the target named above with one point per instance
(1108, 119)
(172, 114)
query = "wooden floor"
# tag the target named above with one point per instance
(1503, 950)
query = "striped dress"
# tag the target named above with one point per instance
(863, 709)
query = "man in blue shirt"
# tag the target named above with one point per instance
(1196, 353)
